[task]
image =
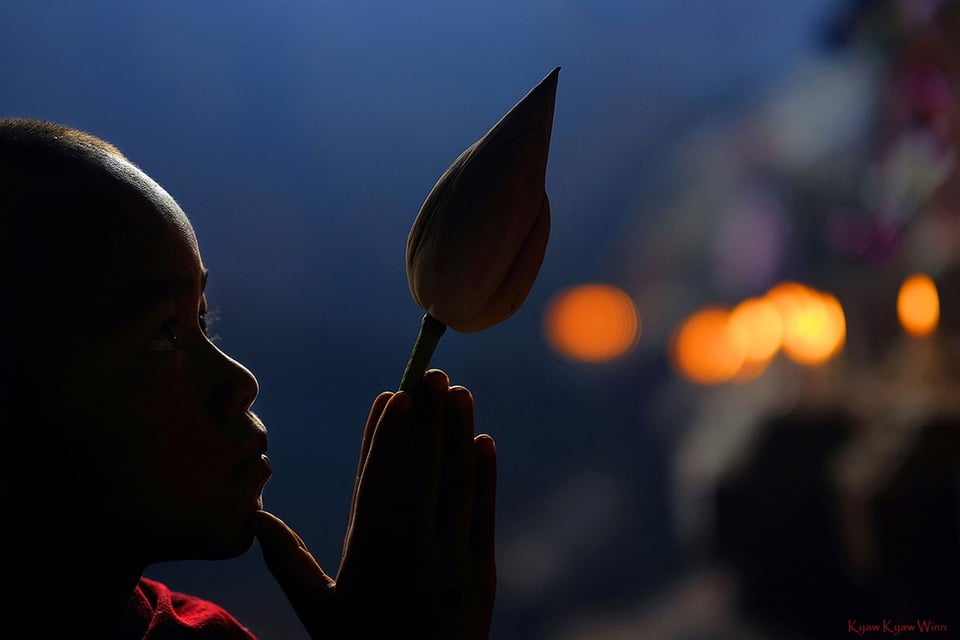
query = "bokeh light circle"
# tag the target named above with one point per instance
(761, 327)
(814, 324)
(592, 323)
(707, 348)
(918, 305)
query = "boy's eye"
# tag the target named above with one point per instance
(208, 318)
(165, 339)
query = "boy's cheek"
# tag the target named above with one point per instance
(129, 418)
(154, 415)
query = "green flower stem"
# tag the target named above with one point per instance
(430, 331)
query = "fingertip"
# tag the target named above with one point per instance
(265, 525)
(400, 402)
(486, 443)
(461, 397)
(436, 379)
(379, 403)
(270, 527)
(261, 519)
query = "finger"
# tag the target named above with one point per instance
(376, 410)
(484, 506)
(396, 499)
(484, 509)
(385, 478)
(309, 590)
(427, 442)
(458, 473)
(379, 404)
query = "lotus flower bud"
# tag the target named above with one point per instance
(479, 239)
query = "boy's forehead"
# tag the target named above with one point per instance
(137, 232)
(161, 236)
(132, 211)
(155, 204)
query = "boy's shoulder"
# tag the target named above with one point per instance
(158, 613)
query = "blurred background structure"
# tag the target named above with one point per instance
(729, 407)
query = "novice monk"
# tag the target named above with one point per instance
(130, 440)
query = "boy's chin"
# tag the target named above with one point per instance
(232, 548)
(232, 543)
(221, 542)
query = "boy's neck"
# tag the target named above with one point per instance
(66, 584)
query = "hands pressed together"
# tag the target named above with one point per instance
(418, 557)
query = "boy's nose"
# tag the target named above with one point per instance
(237, 388)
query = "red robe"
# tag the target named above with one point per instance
(157, 613)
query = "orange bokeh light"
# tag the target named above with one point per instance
(707, 349)
(761, 326)
(918, 305)
(716, 344)
(592, 323)
(814, 325)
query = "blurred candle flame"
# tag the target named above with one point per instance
(814, 325)
(716, 344)
(592, 322)
(707, 349)
(762, 328)
(918, 305)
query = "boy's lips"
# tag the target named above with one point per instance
(256, 470)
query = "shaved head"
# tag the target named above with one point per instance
(34, 133)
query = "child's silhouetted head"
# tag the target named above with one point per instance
(126, 426)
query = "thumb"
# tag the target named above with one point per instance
(309, 590)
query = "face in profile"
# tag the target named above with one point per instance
(159, 446)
